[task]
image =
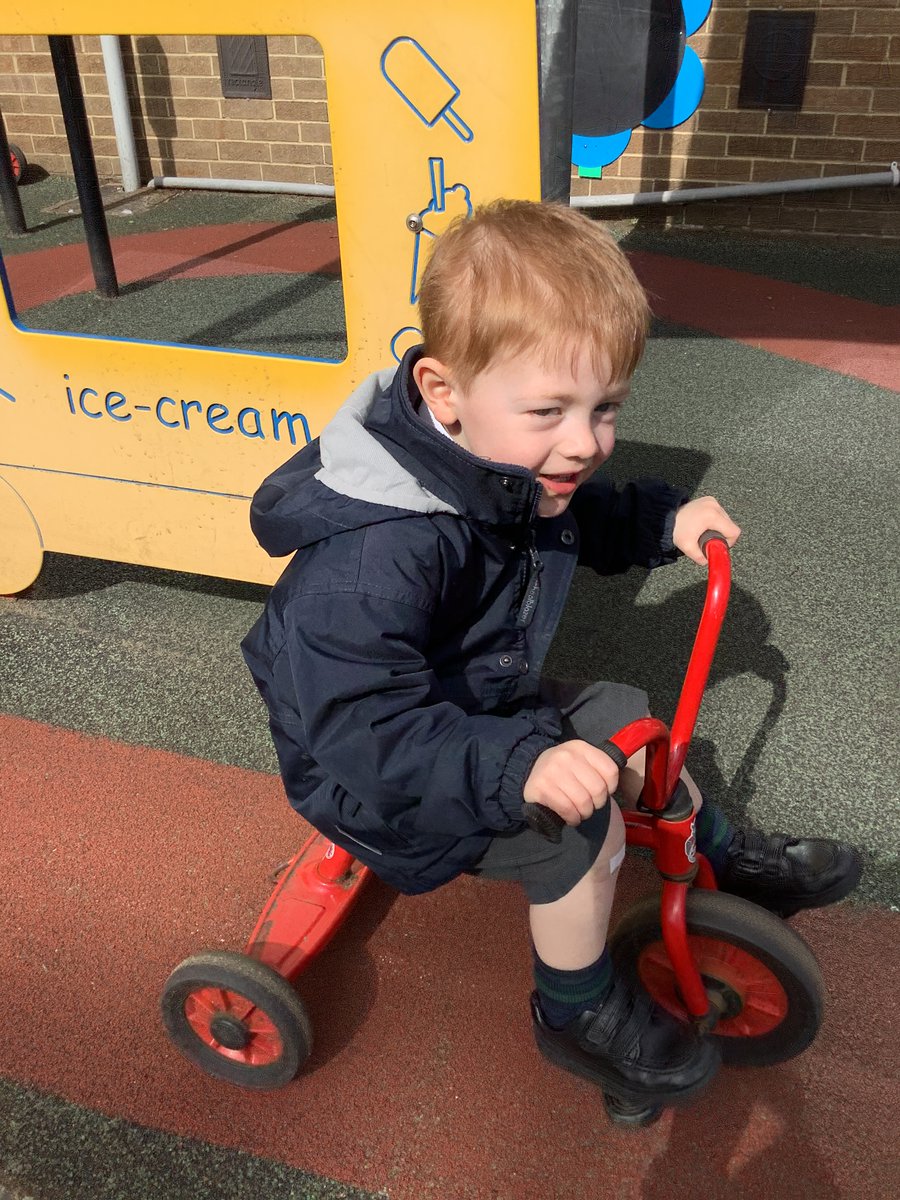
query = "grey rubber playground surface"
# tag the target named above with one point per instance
(798, 728)
(85, 1156)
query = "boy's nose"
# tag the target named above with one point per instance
(583, 443)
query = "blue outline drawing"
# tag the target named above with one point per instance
(395, 340)
(401, 59)
(166, 487)
(437, 204)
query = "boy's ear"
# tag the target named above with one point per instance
(433, 381)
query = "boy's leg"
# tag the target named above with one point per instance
(570, 933)
(572, 967)
(585, 1019)
(781, 873)
(588, 1021)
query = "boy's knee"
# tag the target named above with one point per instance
(613, 850)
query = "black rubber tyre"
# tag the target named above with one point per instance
(236, 1019)
(763, 970)
(18, 162)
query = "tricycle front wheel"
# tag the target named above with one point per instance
(236, 1019)
(763, 975)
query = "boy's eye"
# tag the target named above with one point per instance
(605, 409)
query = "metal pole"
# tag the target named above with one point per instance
(71, 99)
(121, 111)
(557, 35)
(736, 191)
(200, 183)
(9, 191)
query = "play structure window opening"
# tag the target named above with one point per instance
(212, 160)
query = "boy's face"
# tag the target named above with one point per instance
(558, 422)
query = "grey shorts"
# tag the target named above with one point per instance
(591, 712)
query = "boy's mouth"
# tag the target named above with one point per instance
(560, 485)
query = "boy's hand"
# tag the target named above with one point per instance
(573, 778)
(692, 521)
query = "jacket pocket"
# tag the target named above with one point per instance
(364, 826)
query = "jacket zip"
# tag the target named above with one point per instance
(533, 566)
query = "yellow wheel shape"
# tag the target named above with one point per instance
(21, 547)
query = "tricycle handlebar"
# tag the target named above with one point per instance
(549, 823)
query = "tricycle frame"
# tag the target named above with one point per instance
(320, 884)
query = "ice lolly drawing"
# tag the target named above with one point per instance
(428, 90)
(436, 175)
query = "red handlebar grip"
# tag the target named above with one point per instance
(546, 821)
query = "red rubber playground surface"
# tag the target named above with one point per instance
(423, 1080)
(119, 860)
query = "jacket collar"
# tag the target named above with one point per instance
(493, 493)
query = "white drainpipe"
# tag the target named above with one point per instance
(121, 111)
(241, 185)
(889, 178)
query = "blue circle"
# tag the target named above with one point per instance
(684, 97)
(399, 334)
(695, 13)
(599, 151)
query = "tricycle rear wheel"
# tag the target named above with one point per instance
(763, 975)
(18, 162)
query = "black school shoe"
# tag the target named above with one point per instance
(631, 1047)
(785, 874)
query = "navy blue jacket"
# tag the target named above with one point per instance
(400, 652)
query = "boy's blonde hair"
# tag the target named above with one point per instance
(518, 276)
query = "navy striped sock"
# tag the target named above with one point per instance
(714, 834)
(565, 994)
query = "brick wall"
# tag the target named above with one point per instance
(183, 125)
(849, 124)
(850, 120)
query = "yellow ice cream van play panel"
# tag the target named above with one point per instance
(149, 453)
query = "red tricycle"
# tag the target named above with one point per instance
(18, 162)
(734, 970)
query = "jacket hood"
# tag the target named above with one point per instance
(343, 480)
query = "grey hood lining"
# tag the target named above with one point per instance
(355, 464)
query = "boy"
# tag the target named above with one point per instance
(439, 519)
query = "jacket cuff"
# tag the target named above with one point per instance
(518, 768)
(657, 546)
(667, 544)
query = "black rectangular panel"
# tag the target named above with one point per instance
(244, 67)
(776, 60)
